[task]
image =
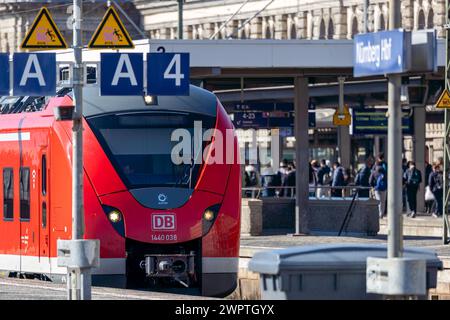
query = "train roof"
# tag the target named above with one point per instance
(199, 101)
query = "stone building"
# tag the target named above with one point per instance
(283, 19)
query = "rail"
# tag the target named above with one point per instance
(315, 192)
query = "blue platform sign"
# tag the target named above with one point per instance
(122, 74)
(34, 74)
(168, 74)
(380, 53)
(4, 74)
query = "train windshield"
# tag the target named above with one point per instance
(141, 149)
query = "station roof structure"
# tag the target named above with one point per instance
(271, 63)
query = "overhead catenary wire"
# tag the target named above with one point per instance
(228, 20)
(250, 19)
(142, 33)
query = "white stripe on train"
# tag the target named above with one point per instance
(14, 136)
(33, 264)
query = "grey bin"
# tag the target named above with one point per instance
(326, 272)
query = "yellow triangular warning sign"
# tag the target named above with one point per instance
(111, 33)
(43, 34)
(444, 100)
(342, 119)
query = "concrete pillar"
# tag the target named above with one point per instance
(301, 102)
(439, 16)
(344, 146)
(419, 152)
(302, 25)
(208, 30)
(407, 14)
(281, 27)
(317, 19)
(309, 25)
(165, 33)
(339, 16)
(256, 30)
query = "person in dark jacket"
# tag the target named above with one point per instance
(338, 180)
(323, 178)
(378, 181)
(362, 178)
(412, 180)
(435, 182)
(404, 168)
(289, 182)
(380, 162)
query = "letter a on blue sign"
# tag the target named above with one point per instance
(122, 74)
(168, 74)
(34, 74)
(4, 74)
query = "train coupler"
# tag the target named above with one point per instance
(177, 267)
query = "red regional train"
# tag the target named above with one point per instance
(159, 223)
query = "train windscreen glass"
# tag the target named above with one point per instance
(141, 147)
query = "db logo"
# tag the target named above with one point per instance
(163, 222)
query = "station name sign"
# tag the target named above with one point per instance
(380, 53)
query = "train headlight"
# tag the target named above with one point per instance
(150, 100)
(208, 215)
(115, 216)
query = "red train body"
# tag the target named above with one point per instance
(157, 222)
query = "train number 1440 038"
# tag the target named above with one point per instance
(164, 237)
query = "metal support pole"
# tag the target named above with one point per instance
(366, 16)
(446, 189)
(180, 19)
(394, 191)
(77, 276)
(301, 103)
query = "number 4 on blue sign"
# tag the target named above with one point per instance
(168, 74)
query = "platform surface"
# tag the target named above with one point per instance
(23, 289)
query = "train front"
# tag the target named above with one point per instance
(165, 173)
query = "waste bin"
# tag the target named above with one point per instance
(326, 272)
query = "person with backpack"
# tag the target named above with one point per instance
(362, 178)
(378, 181)
(412, 180)
(436, 184)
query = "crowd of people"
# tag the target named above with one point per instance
(330, 179)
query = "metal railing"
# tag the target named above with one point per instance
(317, 192)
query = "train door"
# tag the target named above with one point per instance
(29, 231)
(43, 203)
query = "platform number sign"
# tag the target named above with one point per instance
(34, 74)
(4, 75)
(168, 74)
(122, 74)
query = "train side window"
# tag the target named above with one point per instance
(8, 194)
(44, 175)
(44, 215)
(24, 186)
